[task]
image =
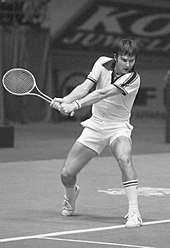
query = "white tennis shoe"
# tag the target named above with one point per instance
(133, 219)
(69, 205)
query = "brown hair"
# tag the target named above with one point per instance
(125, 47)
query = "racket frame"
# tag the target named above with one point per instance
(41, 94)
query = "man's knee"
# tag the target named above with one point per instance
(67, 177)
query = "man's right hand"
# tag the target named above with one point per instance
(56, 104)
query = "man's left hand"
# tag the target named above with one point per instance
(67, 108)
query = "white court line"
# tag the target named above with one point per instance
(97, 229)
(98, 243)
(155, 222)
(62, 233)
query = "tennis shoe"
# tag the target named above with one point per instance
(133, 219)
(68, 207)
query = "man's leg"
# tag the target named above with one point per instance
(121, 148)
(77, 158)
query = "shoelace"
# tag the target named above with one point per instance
(67, 205)
(131, 214)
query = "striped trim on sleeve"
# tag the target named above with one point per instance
(124, 92)
(92, 79)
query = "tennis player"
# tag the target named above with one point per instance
(117, 84)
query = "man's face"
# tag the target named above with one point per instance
(124, 64)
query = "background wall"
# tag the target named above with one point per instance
(82, 30)
(91, 31)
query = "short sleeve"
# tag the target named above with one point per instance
(96, 71)
(128, 83)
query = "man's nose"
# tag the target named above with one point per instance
(127, 63)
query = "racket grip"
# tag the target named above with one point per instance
(72, 113)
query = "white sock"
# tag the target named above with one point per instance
(131, 189)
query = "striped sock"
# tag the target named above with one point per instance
(131, 189)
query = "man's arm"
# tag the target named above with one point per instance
(99, 95)
(91, 98)
(79, 92)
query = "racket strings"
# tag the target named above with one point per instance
(19, 82)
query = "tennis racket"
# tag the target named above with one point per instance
(21, 82)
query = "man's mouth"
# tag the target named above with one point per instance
(126, 69)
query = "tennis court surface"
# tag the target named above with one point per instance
(31, 194)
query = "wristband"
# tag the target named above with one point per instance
(77, 104)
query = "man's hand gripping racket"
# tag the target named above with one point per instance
(63, 106)
(21, 82)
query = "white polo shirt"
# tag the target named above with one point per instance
(114, 108)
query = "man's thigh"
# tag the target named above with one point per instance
(78, 157)
(121, 145)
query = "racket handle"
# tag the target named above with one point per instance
(72, 114)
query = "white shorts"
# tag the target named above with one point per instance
(98, 134)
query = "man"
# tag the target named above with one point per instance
(117, 84)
